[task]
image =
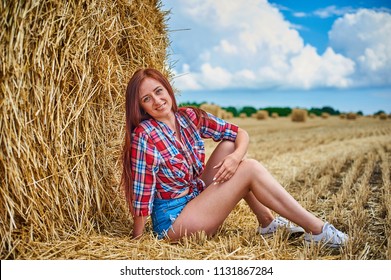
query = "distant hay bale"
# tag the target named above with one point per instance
(226, 115)
(66, 66)
(312, 115)
(383, 116)
(242, 115)
(351, 116)
(275, 115)
(213, 109)
(342, 116)
(262, 115)
(299, 115)
(229, 115)
(325, 115)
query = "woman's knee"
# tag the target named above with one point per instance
(252, 166)
(226, 146)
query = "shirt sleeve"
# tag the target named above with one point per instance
(144, 164)
(218, 129)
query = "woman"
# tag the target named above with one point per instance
(164, 174)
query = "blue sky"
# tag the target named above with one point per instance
(282, 53)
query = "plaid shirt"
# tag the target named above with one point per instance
(163, 167)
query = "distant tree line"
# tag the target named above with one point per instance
(281, 111)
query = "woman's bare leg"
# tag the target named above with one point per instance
(224, 148)
(252, 182)
(208, 211)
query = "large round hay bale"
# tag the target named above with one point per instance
(275, 115)
(325, 115)
(213, 109)
(229, 115)
(383, 116)
(66, 66)
(299, 115)
(242, 115)
(262, 115)
(351, 116)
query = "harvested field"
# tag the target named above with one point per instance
(338, 169)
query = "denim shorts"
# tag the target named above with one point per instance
(165, 211)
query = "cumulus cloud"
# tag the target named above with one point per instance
(364, 38)
(186, 80)
(310, 70)
(255, 47)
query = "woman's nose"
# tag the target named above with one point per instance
(155, 99)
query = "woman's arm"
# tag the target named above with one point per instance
(139, 225)
(227, 167)
(241, 144)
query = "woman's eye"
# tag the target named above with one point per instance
(159, 91)
(146, 99)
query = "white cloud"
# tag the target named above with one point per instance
(299, 14)
(185, 80)
(215, 77)
(365, 38)
(254, 46)
(331, 11)
(311, 70)
(226, 47)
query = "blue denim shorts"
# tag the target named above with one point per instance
(165, 211)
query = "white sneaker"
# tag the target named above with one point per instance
(330, 237)
(280, 222)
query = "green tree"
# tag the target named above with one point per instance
(248, 110)
(233, 110)
(281, 111)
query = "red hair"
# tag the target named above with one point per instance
(135, 115)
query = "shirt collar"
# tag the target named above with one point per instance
(181, 120)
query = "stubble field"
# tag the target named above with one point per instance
(337, 169)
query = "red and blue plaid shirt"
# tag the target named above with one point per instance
(163, 167)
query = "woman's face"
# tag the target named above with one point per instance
(155, 99)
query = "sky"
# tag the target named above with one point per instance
(282, 53)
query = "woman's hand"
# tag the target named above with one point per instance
(138, 226)
(227, 168)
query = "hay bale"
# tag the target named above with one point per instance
(383, 116)
(299, 115)
(342, 116)
(226, 115)
(229, 115)
(66, 66)
(262, 115)
(351, 116)
(312, 115)
(213, 109)
(275, 115)
(325, 115)
(242, 115)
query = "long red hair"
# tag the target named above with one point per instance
(135, 115)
